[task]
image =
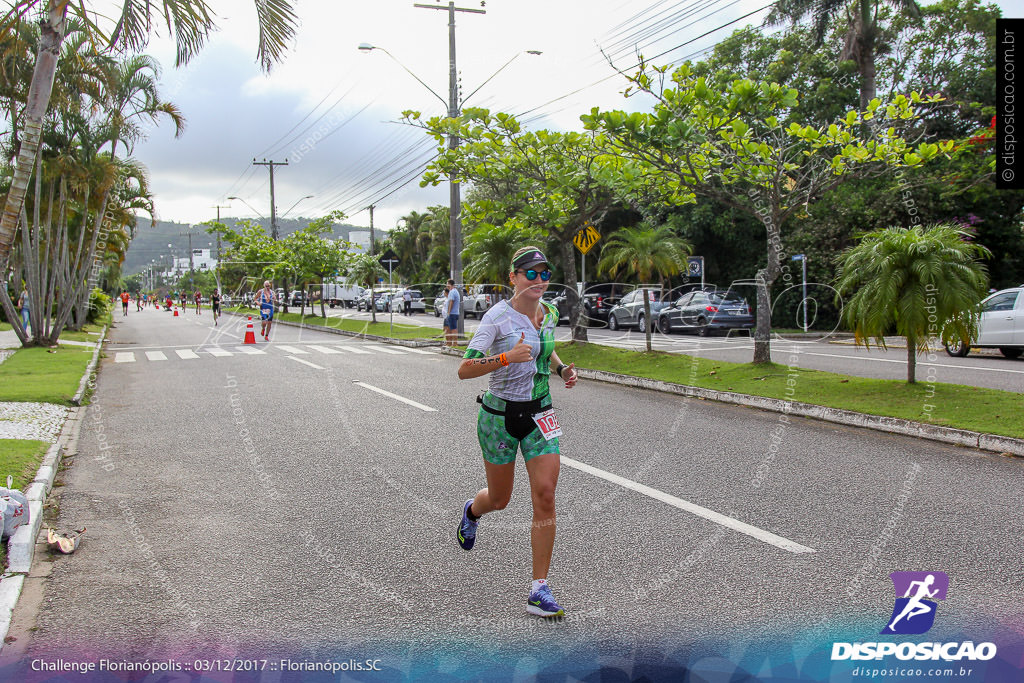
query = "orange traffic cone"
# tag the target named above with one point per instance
(175, 311)
(250, 333)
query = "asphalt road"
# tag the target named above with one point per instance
(986, 369)
(243, 503)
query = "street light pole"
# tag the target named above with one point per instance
(455, 193)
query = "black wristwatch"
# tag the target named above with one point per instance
(558, 370)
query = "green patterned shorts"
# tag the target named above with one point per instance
(501, 436)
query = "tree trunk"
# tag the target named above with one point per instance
(763, 325)
(911, 360)
(647, 319)
(868, 88)
(38, 100)
(579, 330)
(373, 304)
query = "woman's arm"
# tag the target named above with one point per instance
(478, 367)
(568, 374)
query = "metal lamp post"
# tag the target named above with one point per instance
(454, 107)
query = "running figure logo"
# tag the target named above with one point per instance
(914, 612)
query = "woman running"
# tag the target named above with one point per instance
(266, 300)
(515, 345)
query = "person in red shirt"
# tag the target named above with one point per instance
(199, 299)
(124, 302)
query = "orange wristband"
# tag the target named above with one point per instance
(503, 359)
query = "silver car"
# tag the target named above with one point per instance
(1001, 325)
(629, 312)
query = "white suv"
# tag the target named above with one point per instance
(1001, 326)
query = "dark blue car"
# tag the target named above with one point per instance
(706, 312)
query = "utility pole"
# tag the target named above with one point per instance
(216, 268)
(273, 213)
(455, 197)
(372, 250)
(191, 262)
(273, 210)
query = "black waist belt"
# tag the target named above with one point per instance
(517, 407)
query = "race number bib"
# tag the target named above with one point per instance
(548, 424)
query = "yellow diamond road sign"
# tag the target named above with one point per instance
(586, 238)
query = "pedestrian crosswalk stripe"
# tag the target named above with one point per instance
(353, 349)
(323, 349)
(218, 352)
(305, 362)
(291, 349)
(387, 350)
(124, 357)
(412, 350)
(186, 354)
(156, 355)
(249, 352)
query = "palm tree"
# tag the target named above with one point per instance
(189, 21)
(489, 250)
(862, 37)
(366, 270)
(918, 283)
(645, 252)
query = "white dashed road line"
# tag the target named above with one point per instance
(219, 353)
(124, 357)
(710, 515)
(353, 349)
(304, 362)
(323, 349)
(186, 354)
(155, 355)
(292, 349)
(383, 349)
(407, 401)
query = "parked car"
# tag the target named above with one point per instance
(363, 302)
(704, 312)
(439, 304)
(629, 312)
(598, 301)
(482, 297)
(417, 305)
(298, 298)
(1001, 325)
(560, 302)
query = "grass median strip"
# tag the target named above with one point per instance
(950, 405)
(20, 458)
(382, 329)
(44, 375)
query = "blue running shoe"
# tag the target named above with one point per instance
(467, 529)
(543, 604)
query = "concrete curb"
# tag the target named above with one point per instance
(21, 545)
(412, 343)
(960, 437)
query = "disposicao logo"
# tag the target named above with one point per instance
(914, 613)
(916, 593)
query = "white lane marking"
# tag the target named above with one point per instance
(323, 349)
(155, 355)
(410, 349)
(920, 362)
(186, 354)
(251, 352)
(304, 362)
(353, 349)
(220, 353)
(384, 349)
(710, 515)
(422, 407)
(292, 349)
(124, 357)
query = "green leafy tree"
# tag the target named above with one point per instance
(731, 145)
(864, 38)
(189, 21)
(542, 180)
(647, 253)
(317, 257)
(919, 283)
(489, 250)
(365, 270)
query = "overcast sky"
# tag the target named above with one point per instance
(331, 110)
